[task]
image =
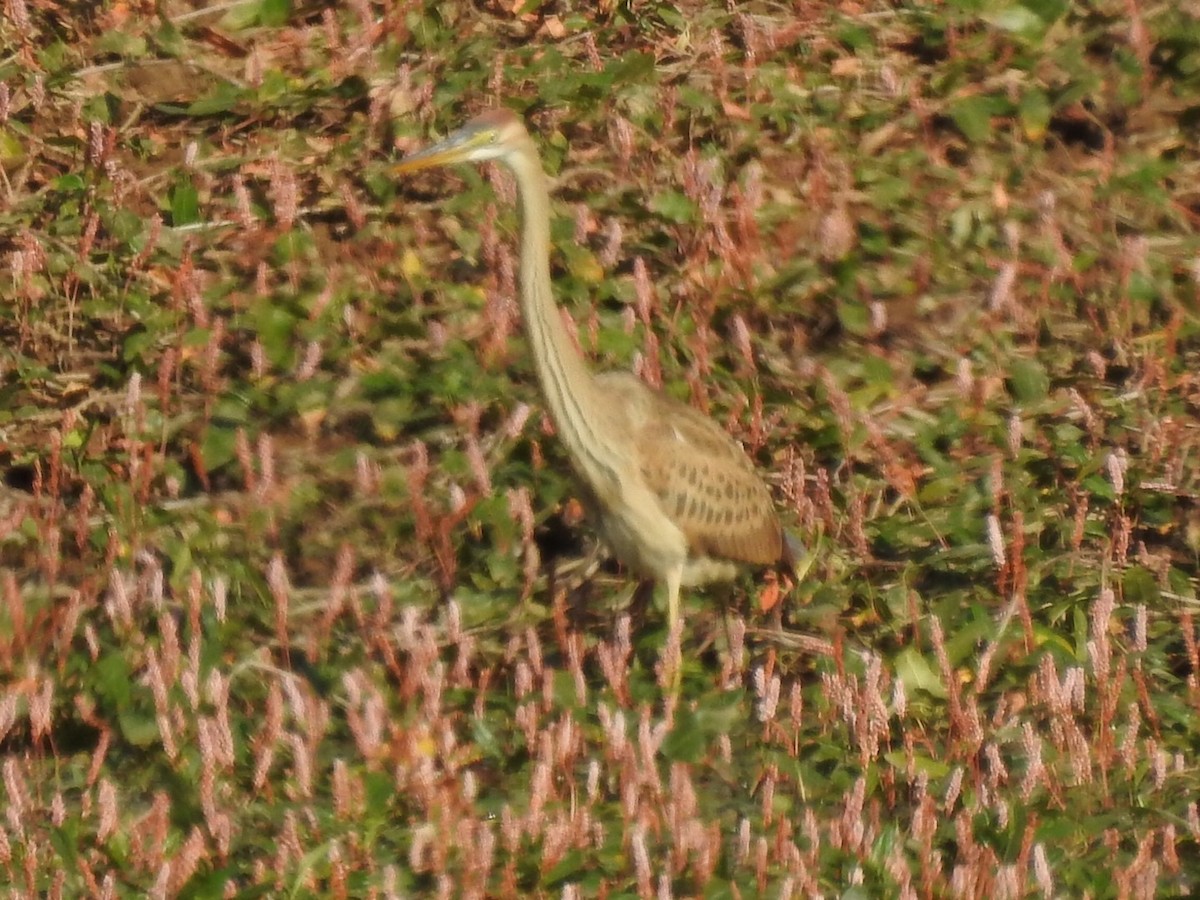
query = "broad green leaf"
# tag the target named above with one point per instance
(632, 67)
(917, 674)
(1034, 111)
(127, 226)
(1140, 586)
(169, 39)
(854, 317)
(121, 43)
(1017, 19)
(69, 183)
(241, 15)
(973, 116)
(222, 98)
(685, 743)
(217, 448)
(185, 203)
(272, 13)
(570, 866)
(292, 245)
(12, 151)
(1027, 380)
(934, 768)
(673, 206)
(139, 728)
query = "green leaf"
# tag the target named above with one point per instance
(719, 715)
(1181, 583)
(169, 39)
(686, 742)
(100, 107)
(185, 203)
(485, 738)
(582, 263)
(292, 246)
(632, 67)
(125, 225)
(1027, 380)
(69, 183)
(140, 729)
(222, 98)
(273, 13)
(276, 329)
(112, 678)
(241, 16)
(973, 116)
(854, 317)
(12, 150)
(382, 384)
(136, 345)
(1017, 19)
(56, 56)
(856, 36)
(275, 87)
(673, 206)
(1034, 113)
(902, 760)
(217, 449)
(390, 415)
(1140, 586)
(916, 673)
(570, 865)
(67, 846)
(878, 371)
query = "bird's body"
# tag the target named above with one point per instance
(706, 508)
(676, 498)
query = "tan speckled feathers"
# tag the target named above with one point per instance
(708, 487)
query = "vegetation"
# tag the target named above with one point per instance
(289, 558)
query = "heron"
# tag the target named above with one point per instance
(674, 496)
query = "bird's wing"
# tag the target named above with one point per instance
(707, 485)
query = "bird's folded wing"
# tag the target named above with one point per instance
(708, 487)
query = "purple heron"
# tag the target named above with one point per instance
(675, 497)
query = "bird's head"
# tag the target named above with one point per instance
(493, 135)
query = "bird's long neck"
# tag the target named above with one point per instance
(570, 390)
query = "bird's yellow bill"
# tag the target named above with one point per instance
(436, 155)
(457, 147)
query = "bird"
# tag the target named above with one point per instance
(674, 496)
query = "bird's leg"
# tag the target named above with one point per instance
(672, 657)
(642, 597)
(674, 577)
(725, 627)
